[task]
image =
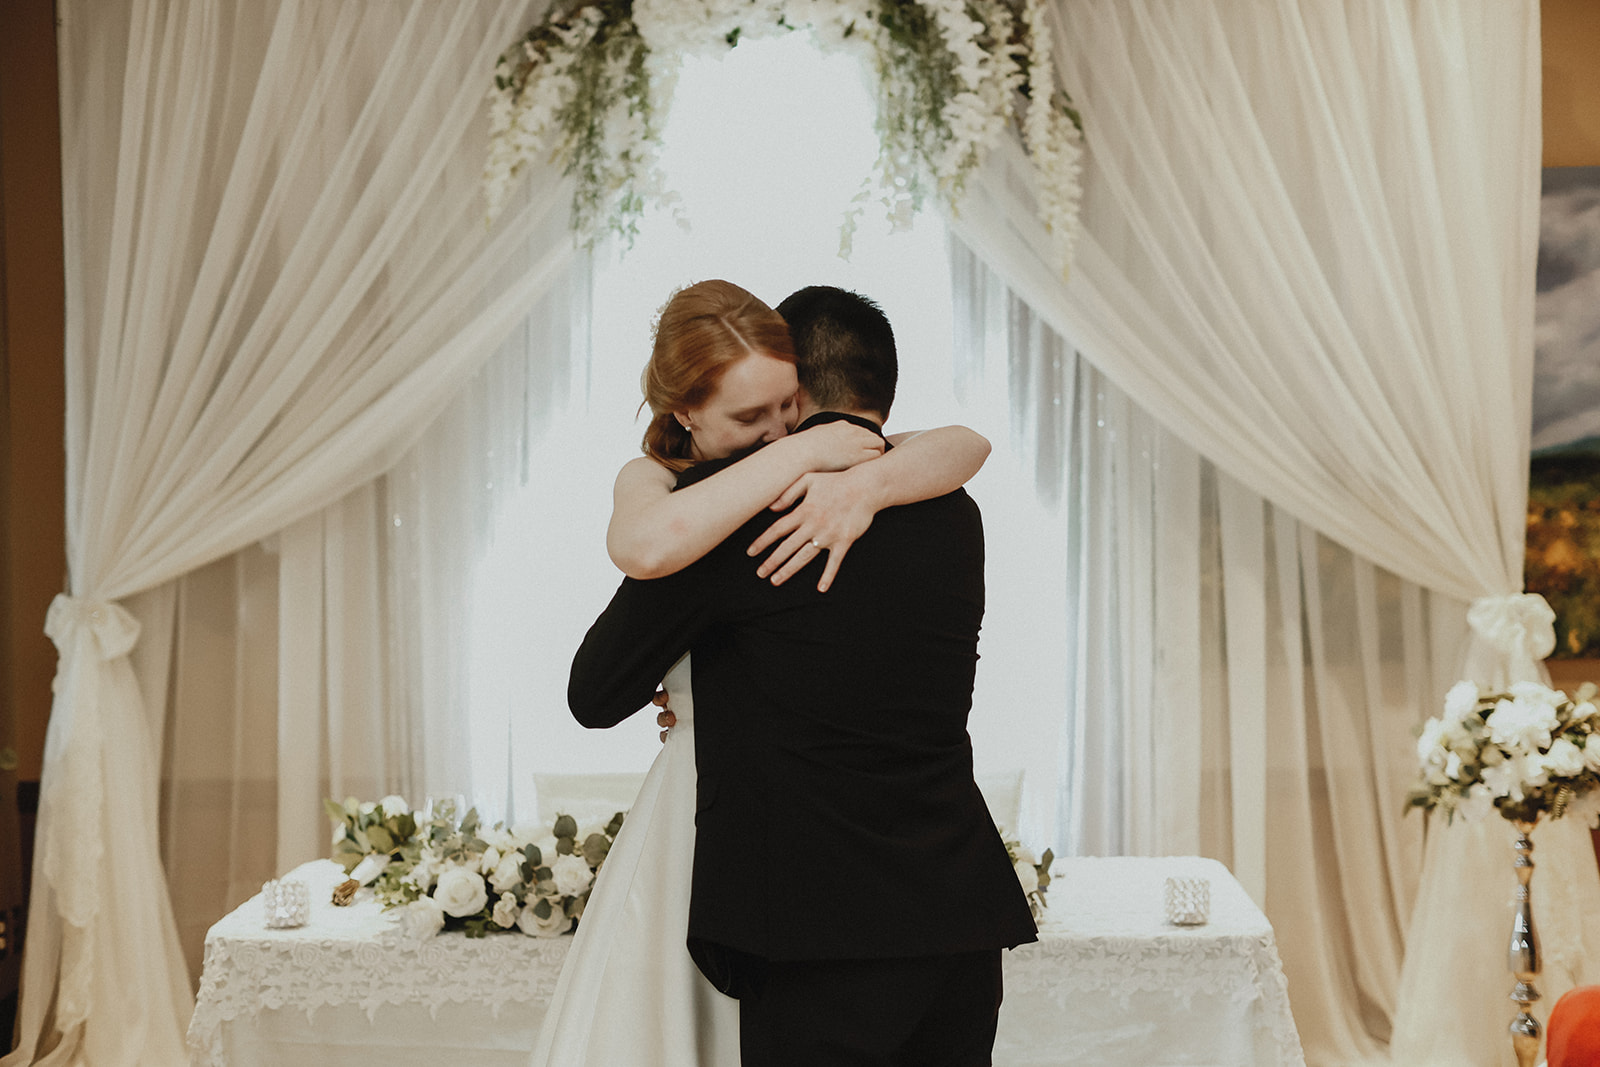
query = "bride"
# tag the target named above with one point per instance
(720, 382)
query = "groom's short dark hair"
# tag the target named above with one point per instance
(843, 347)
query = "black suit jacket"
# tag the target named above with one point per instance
(837, 814)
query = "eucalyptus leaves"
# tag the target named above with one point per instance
(588, 87)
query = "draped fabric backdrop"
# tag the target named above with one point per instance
(1273, 654)
(1286, 389)
(1309, 239)
(277, 274)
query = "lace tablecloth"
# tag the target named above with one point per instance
(1109, 981)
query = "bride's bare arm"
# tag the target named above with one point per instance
(836, 508)
(655, 531)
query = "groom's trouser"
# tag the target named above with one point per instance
(926, 1011)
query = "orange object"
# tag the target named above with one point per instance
(1574, 1031)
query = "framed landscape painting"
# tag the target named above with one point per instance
(1563, 546)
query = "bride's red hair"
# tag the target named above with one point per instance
(704, 329)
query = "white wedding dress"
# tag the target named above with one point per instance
(629, 995)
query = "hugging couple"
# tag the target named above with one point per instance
(829, 888)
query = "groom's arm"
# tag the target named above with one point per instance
(643, 631)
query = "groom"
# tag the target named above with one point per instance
(849, 884)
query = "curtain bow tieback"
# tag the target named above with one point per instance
(114, 630)
(1521, 625)
(90, 635)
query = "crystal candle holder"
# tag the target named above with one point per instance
(1188, 901)
(287, 903)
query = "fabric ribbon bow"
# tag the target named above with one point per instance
(90, 635)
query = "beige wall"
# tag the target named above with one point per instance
(32, 552)
(32, 436)
(1571, 41)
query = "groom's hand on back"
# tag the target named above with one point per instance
(664, 718)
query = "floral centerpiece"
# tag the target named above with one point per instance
(1526, 752)
(588, 87)
(448, 872)
(1032, 871)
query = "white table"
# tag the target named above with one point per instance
(1109, 982)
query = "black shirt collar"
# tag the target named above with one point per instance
(841, 416)
(706, 468)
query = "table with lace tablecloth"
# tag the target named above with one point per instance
(1108, 982)
(1111, 982)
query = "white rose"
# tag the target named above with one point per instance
(461, 892)
(369, 807)
(506, 910)
(421, 919)
(1564, 760)
(1028, 875)
(1461, 701)
(1582, 710)
(554, 926)
(1428, 743)
(1591, 753)
(1537, 693)
(1522, 724)
(394, 804)
(502, 841)
(1510, 777)
(424, 871)
(572, 875)
(507, 874)
(489, 860)
(1452, 767)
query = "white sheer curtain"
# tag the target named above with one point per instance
(1309, 231)
(1241, 687)
(327, 660)
(277, 274)
(1308, 252)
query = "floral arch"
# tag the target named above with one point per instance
(588, 88)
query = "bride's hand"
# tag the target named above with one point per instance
(834, 512)
(838, 446)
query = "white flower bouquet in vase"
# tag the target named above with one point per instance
(1527, 752)
(445, 873)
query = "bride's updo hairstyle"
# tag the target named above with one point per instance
(704, 329)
